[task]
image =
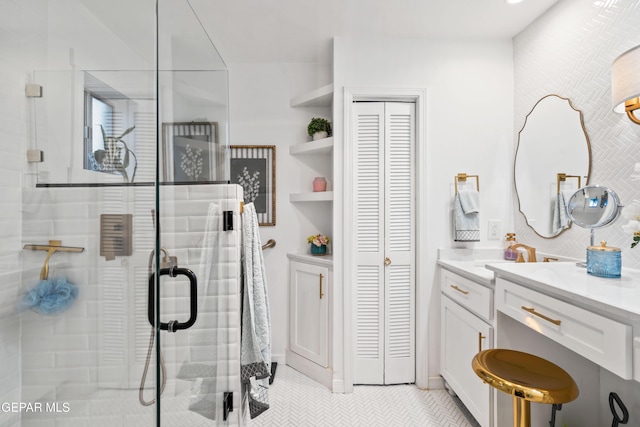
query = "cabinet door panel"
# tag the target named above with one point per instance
(309, 312)
(459, 343)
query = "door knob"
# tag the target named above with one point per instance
(387, 261)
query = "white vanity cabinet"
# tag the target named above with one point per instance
(309, 316)
(466, 328)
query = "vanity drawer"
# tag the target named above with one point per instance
(604, 341)
(467, 293)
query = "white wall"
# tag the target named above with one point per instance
(568, 51)
(260, 114)
(469, 125)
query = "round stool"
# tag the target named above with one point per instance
(527, 378)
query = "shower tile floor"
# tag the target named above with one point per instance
(295, 401)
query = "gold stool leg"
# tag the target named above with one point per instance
(521, 412)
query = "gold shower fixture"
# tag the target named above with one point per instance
(53, 247)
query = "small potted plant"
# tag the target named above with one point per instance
(110, 158)
(319, 128)
(318, 244)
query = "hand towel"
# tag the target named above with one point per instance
(466, 216)
(560, 218)
(255, 350)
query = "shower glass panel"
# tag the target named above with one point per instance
(124, 126)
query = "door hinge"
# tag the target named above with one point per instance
(227, 404)
(227, 220)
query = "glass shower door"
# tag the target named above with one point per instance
(199, 227)
(123, 119)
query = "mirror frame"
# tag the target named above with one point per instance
(515, 157)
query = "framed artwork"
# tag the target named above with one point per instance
(191, 152)
(254, 168)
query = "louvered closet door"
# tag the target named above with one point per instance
(385, 256)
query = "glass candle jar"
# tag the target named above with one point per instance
(604, 261)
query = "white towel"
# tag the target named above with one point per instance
(199, 365)
(466, 216)
(255, 353)
(560, 218)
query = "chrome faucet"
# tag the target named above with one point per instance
(531, 252)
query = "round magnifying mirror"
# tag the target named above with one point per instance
(594, 206)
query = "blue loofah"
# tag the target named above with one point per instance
(50, 297)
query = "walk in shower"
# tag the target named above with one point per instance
(117, 217)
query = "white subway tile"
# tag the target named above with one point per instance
(54, 376)
(38, 360)
(76, 359)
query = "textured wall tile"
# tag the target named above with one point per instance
(569, 51)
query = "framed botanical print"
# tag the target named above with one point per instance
(191, 152)
(254, 168)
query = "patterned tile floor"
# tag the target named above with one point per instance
(296, 400)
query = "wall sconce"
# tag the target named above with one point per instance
(625, 83)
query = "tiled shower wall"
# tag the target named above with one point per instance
(14, 138)
(568, 51)
(101, 341)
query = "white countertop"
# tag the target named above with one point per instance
(620, 296)
(324, 260)
(473, 270)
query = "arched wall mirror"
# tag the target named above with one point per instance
(552, 161)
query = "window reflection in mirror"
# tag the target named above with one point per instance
(98, 112)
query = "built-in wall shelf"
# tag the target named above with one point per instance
(321, 97)
(319, 196)
(320, 146)
(326, 260)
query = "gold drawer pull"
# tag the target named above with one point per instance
(480, 338)
(321, 294)
(459, 290)
(542, 316)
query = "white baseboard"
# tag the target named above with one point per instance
(316, 372)
(436, 383)
(338, 386)
(279, 358)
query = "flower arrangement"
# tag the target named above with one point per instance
(632, 213)
(318, 240)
